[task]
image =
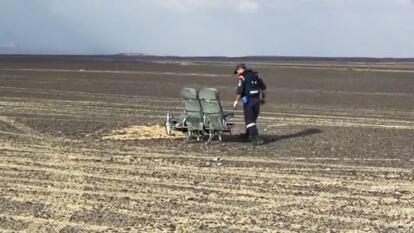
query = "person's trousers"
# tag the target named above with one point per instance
(251, 113)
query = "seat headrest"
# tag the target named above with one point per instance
(208, 94)
(189, 93)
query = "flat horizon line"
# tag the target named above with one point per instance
(143, 55)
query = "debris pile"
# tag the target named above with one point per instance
(139, 132)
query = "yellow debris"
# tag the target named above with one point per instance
(139, 132)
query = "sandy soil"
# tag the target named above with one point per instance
(82, 150)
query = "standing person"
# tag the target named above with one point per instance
(249, 88)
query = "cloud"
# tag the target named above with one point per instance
(8, 45)
(209, 27)
(241, 6)
(248, 6)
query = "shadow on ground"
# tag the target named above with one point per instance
(275, 138)
(304, 133)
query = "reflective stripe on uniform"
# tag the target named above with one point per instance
(254, 92)
(250, 125)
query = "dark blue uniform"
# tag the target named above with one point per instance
(249, 87)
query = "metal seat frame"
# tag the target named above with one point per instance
(209, 107)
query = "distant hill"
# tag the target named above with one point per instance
(267, 58)
(152, 58)
(132, 54)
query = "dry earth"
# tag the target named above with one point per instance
(80, 149)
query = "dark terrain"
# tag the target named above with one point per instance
(338, 157)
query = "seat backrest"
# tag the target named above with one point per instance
(210, 101)
(212, 108)
(192, 108)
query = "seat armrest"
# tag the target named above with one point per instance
(228, 115)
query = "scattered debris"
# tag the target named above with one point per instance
(139, 132)
(218, 159)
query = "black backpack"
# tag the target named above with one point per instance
(251, 84)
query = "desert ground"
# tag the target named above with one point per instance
(82, 148)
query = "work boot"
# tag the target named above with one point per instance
(257, 141)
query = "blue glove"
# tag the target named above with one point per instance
(245, 100)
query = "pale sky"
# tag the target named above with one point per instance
(351, 28)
